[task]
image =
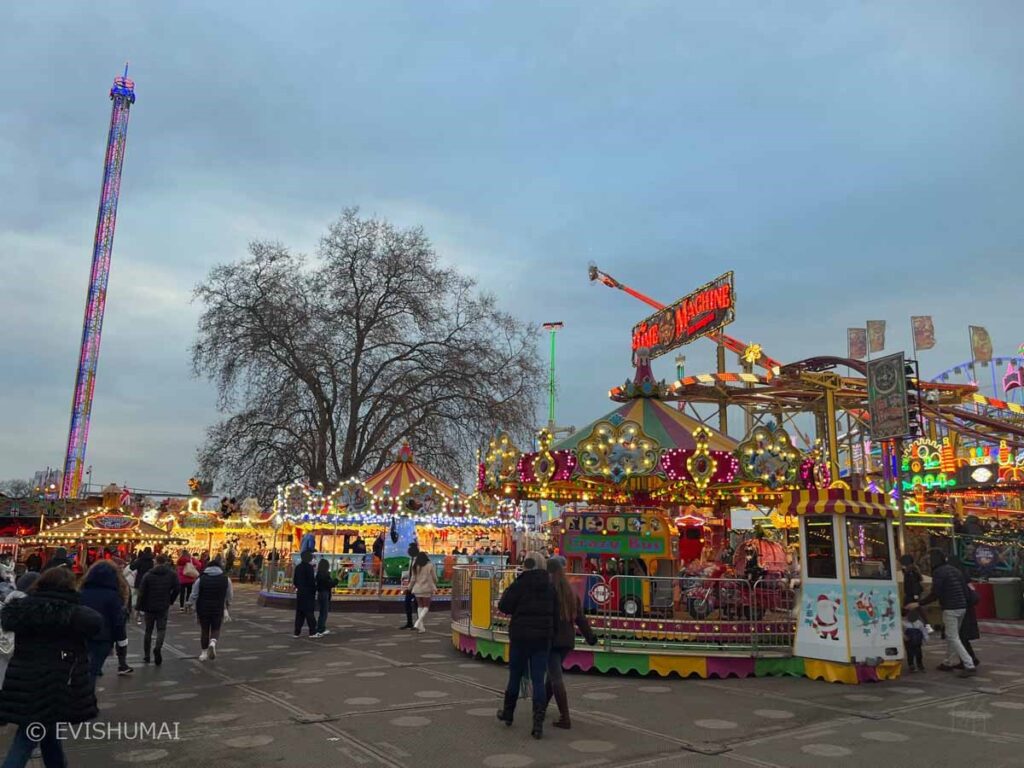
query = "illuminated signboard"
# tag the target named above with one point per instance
(704, 311)
(618, 545)
(112, 522)
(978, 475)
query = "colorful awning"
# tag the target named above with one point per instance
(399, 477)
(835, 501)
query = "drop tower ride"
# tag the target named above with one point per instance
(122, 94)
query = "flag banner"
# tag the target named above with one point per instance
(924, 332)
(876, 335)
(856, 343)
(981, 344)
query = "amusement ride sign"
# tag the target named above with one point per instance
(112, 522)
(887, 397)
(706, 310)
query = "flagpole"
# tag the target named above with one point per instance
(913, 337)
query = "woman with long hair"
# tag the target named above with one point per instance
(423, 585)
(188, 572)
(570, 616)
(47, 680)
(105, 590)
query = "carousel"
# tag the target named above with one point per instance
(102, 531)
(364, 529)
(630, 483)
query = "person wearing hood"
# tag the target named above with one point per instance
(106, 592)
(156, 594)
(60, 558)
(47, 680)
(949, 588)
(532, 604)
(142, 564)
(211, 597)
(304, 581)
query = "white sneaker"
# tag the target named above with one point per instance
(213, 649)
(204, 656)
(296, 636)
(420, 629)
(317, 636)
(325, 633)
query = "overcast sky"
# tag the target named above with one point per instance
(849, 161)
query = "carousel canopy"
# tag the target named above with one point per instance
(102, 528)
(664, 424)
(403, 475)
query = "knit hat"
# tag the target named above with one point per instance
(534, 561)
(26, 580)
(556, 563)
(907, 560)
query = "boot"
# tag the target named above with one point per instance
(562, 699)
(538, 721)
(420, 614)
(508, 709)
(122, 660)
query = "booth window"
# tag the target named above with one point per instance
(867, 540)
(821, 547)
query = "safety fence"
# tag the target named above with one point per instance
(688, 613)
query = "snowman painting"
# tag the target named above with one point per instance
(824, 617)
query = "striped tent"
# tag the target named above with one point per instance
(667, 426)
(835, 501)
(402, 475)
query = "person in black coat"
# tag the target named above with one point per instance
(34, 563)
(48, 679)
(142, 564)
(410, 599)
(304, 581)
(531, 602)
(969, 626)
(108, 595)
(325, 584)
(60, 558)
(949, 588)
(156, 595)
(913, 587)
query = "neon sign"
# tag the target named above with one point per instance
(923, 465)
(709, 308)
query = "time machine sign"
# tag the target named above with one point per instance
(704, 311)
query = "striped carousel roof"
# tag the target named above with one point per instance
(404, 473)
(669, 427)
(835, 501)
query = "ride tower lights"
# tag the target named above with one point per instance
(122, 94)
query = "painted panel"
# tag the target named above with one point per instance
(821, 625)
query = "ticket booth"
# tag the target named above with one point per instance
(849, 625)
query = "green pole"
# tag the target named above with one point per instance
(552, 328)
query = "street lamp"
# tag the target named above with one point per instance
(552, 329)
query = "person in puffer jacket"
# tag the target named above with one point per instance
(949, 587)
(156, 595)
(531, 603)
(106, 592)
(48, 680)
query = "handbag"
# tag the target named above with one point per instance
(190, 571)
(972, 596)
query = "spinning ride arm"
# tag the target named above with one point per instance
(733, 345)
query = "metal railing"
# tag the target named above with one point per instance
(690, 613)
(360, 575)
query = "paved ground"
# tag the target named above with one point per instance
(370, 696)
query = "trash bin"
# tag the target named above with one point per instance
(986, 608)
(1007, 596)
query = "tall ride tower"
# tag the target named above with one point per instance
(123, 96)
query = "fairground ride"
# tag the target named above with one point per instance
(122, 94)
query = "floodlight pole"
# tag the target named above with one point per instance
(552, 329)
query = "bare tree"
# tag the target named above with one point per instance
(323, 366)
(17, 489)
